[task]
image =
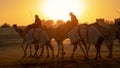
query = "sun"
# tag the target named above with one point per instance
(60, 9)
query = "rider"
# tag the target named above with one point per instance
(36, 24)
(37, 21)
(74, 20)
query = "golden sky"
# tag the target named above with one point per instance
(22, 12)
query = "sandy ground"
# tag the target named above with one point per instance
(11, 56)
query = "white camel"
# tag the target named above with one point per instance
(38, 37)
(96, 33)
(76, 38)
(90, 34)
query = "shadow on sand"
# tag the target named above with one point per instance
(32, 62)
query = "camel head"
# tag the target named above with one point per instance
(117, 21)
(15, 26)
(18, 30)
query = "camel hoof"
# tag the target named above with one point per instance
(57, 56)
(24, 56)
(63, 53)
(53, 57)
(37, 57)
(33, 56)
(95, 58)
(85, 57)
(99, 57)
(30, 55)
(109, 56)
(40, 56)
(48, 56)
(72, 57)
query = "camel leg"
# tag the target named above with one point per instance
(74, 49)
(118, 37)
(23, 46)
(58, 49)
(41, 54)
(36, 45)
(25, 51)
(83, 50)
(110, 45)
(110, 49)
(88, 48)
(63, 53)
(98, 55)
(47, 51)
(51, 47)
(85, 53)
(97, 52)
(98, 47)
(119, 40)
(30, 51)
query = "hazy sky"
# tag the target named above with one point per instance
(22, 11)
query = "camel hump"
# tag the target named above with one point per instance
(102, 28)
(66, 27)
(39, 29)
(27, 28)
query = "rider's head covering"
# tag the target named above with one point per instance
(14, 25)
(36, 16)
(71, 13)
(117, 20)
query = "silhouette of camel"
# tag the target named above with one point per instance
(22, 35)
(76, 37)
(113, 34)
(109, 35)
(29, 37)
(97, 34)
(60, 34)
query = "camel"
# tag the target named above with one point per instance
(95, 37)
(109, 35)
(29, 38)
(96, 34)
(22, 35)
(60, 34)
(113, 34)
(76, 38)
(87, 33)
